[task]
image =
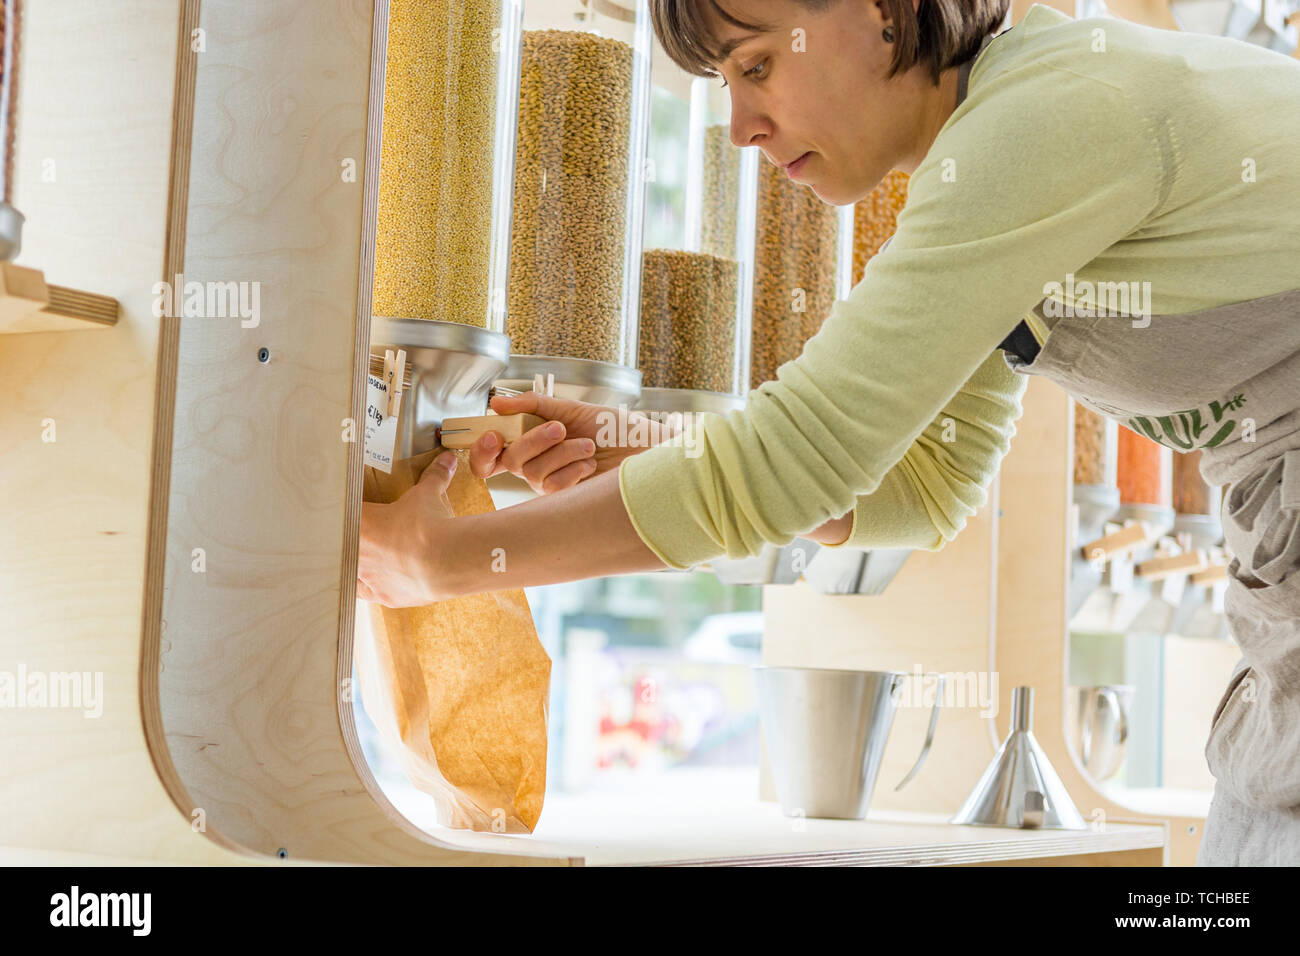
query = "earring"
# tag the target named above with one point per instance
(888, 34)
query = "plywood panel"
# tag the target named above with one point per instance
(1196, 672)
(254, 642)
(97, 91)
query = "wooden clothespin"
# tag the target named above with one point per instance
(395, 384)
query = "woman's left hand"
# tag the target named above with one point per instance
(398, 565)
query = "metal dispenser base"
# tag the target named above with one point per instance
(584, 380)
(1020, 789)
(773, 564)
(855, 571)
(830, 571)
(452, 368)
(1097, 504)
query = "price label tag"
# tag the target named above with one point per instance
(381, 428)
(1121, 574)
(1172, 588)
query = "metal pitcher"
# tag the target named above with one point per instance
(826, 731)
(1103, 727)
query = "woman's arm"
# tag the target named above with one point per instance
(533, 543)
(414, 552)
(971, 256)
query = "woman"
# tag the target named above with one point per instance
(1111, 206)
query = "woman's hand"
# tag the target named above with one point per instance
(401, 542)
(589, 440)
(836, 531)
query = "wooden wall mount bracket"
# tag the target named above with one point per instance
(29, 304)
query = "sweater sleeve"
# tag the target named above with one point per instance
(941, 481)
(985, 228)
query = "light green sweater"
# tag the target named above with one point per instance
(1114, 156)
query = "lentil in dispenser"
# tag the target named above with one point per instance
(697, 273)
(1143, 472)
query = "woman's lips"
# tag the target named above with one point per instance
(792, 169)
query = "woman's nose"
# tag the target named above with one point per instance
(748, 126)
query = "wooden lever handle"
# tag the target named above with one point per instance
(1158, 568)
(510, 427)
(1121, 542)
(1210, 574)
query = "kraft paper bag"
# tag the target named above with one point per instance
(460, 688)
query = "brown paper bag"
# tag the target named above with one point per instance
(460, 688)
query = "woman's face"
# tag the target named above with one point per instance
(810, 90)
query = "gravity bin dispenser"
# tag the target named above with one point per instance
(578, 198)
(1148, 579)
(530, 223)
(442, 242)
(1149, 557)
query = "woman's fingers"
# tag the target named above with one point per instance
(537, 471)
(531, 444)
(568, 476)
(484, 455)
(435, 480)
(534, 403)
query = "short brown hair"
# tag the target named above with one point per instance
(938, 34)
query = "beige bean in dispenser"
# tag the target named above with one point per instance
(575, 255)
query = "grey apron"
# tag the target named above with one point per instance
(1226, 381)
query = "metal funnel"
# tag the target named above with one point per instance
(452, 369)
(1020, 788)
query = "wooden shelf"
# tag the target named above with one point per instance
(1160, 801)
(623, 831)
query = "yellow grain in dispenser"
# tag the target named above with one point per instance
(434, 249)
(458, 689)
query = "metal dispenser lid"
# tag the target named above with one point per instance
(1020, 788)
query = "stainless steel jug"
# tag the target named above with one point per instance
(826, 732)
(1102, 727)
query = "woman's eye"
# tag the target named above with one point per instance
(758, 70)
